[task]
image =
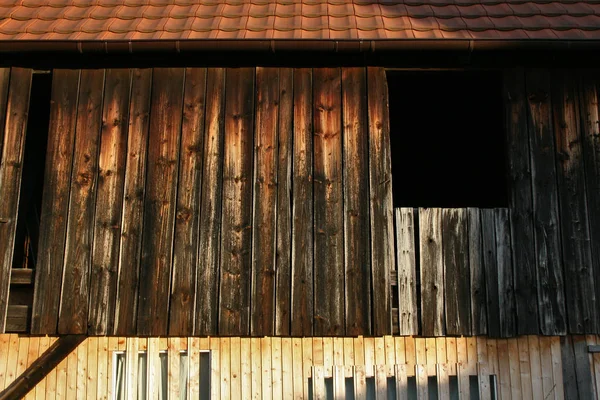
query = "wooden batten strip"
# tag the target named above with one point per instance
(186, 259)
(545, 205)
(506, 299)
(73, 313)
(236, 227)
(490, 262)
(264, 213)
(432, 275)
(125, 318)
(55, 201)
(477, 271)
(381, 206)
(355, 161)
(12, 152)
(302, 210)
(406, 269)
(328, 203)
(160, 202)
(207, 277)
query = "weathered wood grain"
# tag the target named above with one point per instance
(4, 81)
(477, 277)
(590, 119)
(264, 219)
(207, 274)
(521, 202)
(236, 228)
(506, 299)
(457, 295)
(109, 202)
(133, 203)
(545, 205)
(185, 250)
(432, 272)
(380, 188)
(160, 201)
(55, 203)
(11, 169)
(357, 252)
(328, 203)
(73, 313)
(490, 268)
(302, 209)
(580, 296)
(283, 255)
(407, 274)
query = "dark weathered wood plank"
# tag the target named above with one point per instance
(506, 299)
(328, 203)
(265, 202)
(357, 251)
(407, 274)
(457, 295)
(160, 202)
(185, 251)
(73, 314)
(55, 201)
(569, 368)
(11, 169)
(283, 256)
(380, 187)
(109, 202)
(17, 318)
(302, 206)
(590, 111)
(4, 80)
(477, 278)
(432, 272)
(521, 203)
(490, 265)
(21, 276)
(545, 205)
(133, 203)
(583, 369)
(581, 302)
(236, 228)
(207, 273)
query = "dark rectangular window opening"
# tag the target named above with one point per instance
(32, 182)
(447, 139)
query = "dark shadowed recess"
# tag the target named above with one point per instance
(447, 138)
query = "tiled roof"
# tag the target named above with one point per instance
(108, 20)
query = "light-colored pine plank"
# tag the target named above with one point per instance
(452, 352)
(503, 370)
(557, 371)
(317, 351)
(430, 354)
(131, 367)
(103, 373)
(153, 368)
(50, 389)
(40, 388)
(484, 381)
(22, 356)
(113, 345)
(443, 381)
(420, 352)
(360, 382)
(492, 353)
(194, 367)
(421, 378)
(327, 356)
(82, 367)
(92, 368)
(276, 368)
(339, 383)
(32, 355)
(524, 367)
(266, 378)
(58, 390)
(174, 361)
(225, 365)
(379, 351)
(246, 368)
(215, 368)
(472, 355)
(236, 367)
(348, 356)
(401, 382)
(287, 369)
(400, 350)
(380, 381)
(369, 346)
(299, 374)
(307, 361)
(390, 354)
(464, 385)
(338, 351)
(70, 391)
(548, 387)
(256, 368)
(4, 347)
(318, 382)
(515, 370)
(359, 350)
(535, 367)
(411, 355)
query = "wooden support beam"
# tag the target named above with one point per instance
(42, 366)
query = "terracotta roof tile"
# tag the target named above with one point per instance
(308, 19)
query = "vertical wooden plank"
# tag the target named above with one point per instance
(369, 352)
(407, 275)
(133, 203)
(492, 354)
(476, 268)
(235, 368)
(300, 381)
(194, 368)
(287, 371)
(82, 368)
(582, 367)
(302, 213)
(73, 312)
(514, 367)
(207, 274)
(173, 360)
(131, 368)
(113, 345)
(246, 368)
(153, 374)
(4, 82)
(185, 250)
(215, 368)
(11, 363)
(160, 201)
(464, 384)
(55, 201)
(503, 370)
(256, 356)
(557, 369)
(524, 367)
(236, 228)
(318, 383)
(589, 110)
(443, 381)
(92, 368)
(264, 215)
(545, 205)
(283, 254)
(380, 382)
(224, 366)
(104, 374)
(266, 371)
(535, 366)
(430, 356)
(307, 361)
(455, 352)
(581, 301)
(67, 379)
(422, 383)
(380, 186)
(401, 381)
(4, 338)
(357, 255)
(400, 349)
(411, 354)
(339, 383)
(432, 272)
(32, 354)
(455, 250)
(569, 368)
(505, 274)
(109, 202)
(11, 166)
(318, 358)
(40, 388)
(328, 203)
(484, 381)
(338, 350)
(490, 262)
(360, 383)
(521, 203)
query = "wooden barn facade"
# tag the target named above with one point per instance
(300, 199)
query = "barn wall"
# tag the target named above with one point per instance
(524, 368)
